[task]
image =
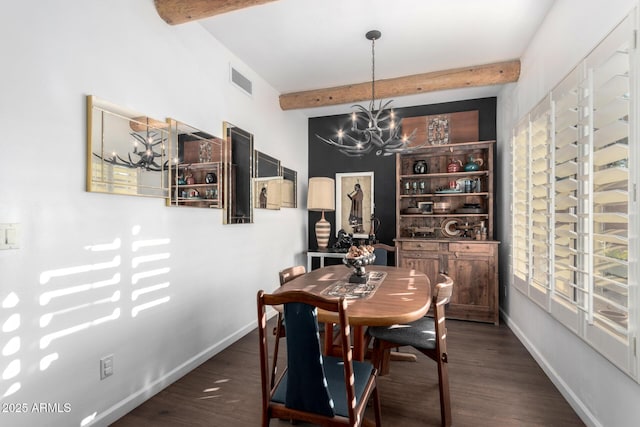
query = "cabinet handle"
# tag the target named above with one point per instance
(457, 254)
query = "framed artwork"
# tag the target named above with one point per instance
(438, 130)
(354, 203)
(425, 207)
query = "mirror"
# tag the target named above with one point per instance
(238, 201)
(127, 152)
(268, 182)
(289, 188)
(196, 167)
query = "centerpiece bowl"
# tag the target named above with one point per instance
(357, 263)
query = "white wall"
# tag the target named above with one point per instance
(599, 392)
(53, 55)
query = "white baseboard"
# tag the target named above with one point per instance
(136, 399)
(581, 409)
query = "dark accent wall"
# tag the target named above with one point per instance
(325, 160)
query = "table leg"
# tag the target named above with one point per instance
(328, 339)
(358, 343)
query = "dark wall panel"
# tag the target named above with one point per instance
(325, 160)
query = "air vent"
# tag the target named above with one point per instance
(241, 81)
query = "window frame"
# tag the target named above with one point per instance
(556, 230)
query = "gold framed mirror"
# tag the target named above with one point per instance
(289, 198)
(238, 184)
(197, 165)
(267, 181)
(127, 152)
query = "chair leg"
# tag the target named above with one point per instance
(276, 345)
(376, 406)
(443, 385)
(380, 356)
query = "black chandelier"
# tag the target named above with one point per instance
(147, 155)
(373, 128)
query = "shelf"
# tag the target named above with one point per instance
(445, 175)
(193, 185)
(197, 199)
(412, 196)
(447, 215)
(204, 165)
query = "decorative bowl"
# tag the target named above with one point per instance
(358, 264)
(441, 207)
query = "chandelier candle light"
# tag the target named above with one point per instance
(321, 197)
(379, 128)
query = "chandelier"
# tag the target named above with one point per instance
(372, 128)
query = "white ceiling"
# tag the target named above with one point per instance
(298, 45)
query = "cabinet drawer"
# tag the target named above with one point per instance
(420, 246)
(470, 247)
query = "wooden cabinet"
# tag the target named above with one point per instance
(445, 223)
(472, 265)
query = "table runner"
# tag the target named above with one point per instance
(342, 287)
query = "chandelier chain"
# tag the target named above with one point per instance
(373, 71)
(373, 128)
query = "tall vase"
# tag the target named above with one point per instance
(323, 230)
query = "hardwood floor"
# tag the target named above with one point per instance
(494, 382)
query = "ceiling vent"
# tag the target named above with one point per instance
(241, 81)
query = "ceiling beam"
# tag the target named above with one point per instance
(481, 75)
(180, 11)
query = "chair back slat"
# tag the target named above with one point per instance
(443, 291)
(305, 365)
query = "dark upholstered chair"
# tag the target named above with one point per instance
(279, 331)
(319, 389)
(429, 335)
(383, 253)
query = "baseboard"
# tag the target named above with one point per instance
(574, 401)
(134, 400)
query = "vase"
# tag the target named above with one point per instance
(211, 178)
(420, 167)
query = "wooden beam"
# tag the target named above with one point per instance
(481, 75)
(180, 11)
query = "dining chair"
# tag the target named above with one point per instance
(285, 275)
(383, 252)
(325, 390)
(428, 335)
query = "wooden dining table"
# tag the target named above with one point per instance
(402, 295)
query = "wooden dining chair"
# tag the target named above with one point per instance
(285, 275)
(383, 252)
(428, 335)
(324, 390)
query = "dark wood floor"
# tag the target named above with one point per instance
(494, 382)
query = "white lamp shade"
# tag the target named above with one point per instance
(321, 194)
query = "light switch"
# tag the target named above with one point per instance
(9, 236)
(12, 236)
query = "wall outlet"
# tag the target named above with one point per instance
(106, 366)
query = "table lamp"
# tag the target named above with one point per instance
(321, 197)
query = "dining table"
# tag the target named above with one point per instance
(391, 295)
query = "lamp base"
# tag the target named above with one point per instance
(323, 230)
